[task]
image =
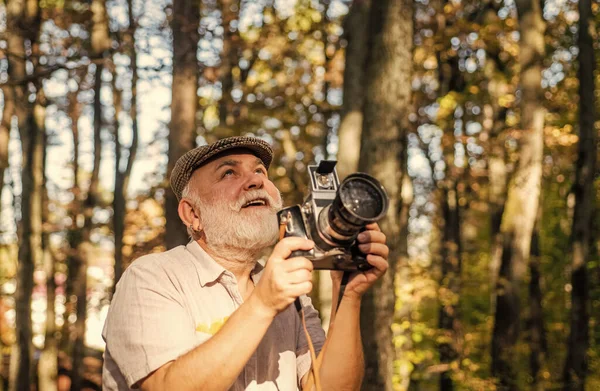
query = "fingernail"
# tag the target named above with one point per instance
(362, 236)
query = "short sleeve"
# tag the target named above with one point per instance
(147, 325)
(317, 336)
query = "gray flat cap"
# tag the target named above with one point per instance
(195, 158)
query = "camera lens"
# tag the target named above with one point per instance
(360, 200)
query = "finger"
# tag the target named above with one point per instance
(379, 264)
(300, 289)
(297, 263)
(375, 248)
(372, 227)
(371, 236)
(299, 276)
(286, 246)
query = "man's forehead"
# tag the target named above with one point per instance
(227, 158)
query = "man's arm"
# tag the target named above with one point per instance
(342, 366)
(342, 360)
(215, 364)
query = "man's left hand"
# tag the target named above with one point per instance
(372, 244)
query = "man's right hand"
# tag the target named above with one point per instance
(283, 279)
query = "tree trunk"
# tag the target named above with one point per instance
(576, 363)
(494, 123)
(182, 134)
(74, 233)
(5, 124)
(22, 31)
(521, 206)
(451, 80)
(30, 243)
(48, 363)
(497, 198)
(322, 296)
(383, 143)
(122, 178)
(536, 329)
(450, 284)
(101, 42)
(229, 60)
(83, 248)
(119, 197)
(356, 29)
(404, 301)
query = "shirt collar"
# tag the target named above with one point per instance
(209, 270)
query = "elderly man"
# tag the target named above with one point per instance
(208, 316)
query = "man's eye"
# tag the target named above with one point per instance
(260, 171)
(227, 173)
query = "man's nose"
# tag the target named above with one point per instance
(253, 181)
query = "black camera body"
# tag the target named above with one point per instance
(333, 215)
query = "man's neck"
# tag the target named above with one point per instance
(238, 261)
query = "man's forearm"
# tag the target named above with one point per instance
(215, 364)
(342, 366)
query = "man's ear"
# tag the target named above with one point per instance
(189, 215)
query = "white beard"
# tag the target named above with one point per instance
(229, 226)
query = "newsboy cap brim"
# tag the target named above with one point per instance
(194, 159)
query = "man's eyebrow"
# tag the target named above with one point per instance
(235, 163)
(232, 163)
(259, 162)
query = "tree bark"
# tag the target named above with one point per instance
(403, 276)
(122, 177)
(229, 60)
(536, 329)
(450, 284)
(522, 202)
(5, 124)
(494, 123)
(83, 247)
(74, 233)
(451, 80)
(48, 363)
(383, 143)
(101, 43)
(575, 369)
(29, 247)
(356, 29)
(182, 134)
(23, 23)
(322, 296)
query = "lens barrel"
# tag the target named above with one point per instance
(360, 200)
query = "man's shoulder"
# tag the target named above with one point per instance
(171, 262)
(169, 258)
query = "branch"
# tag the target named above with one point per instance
(45, 72)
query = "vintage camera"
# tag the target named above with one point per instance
(333, 215)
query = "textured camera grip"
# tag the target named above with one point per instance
(300, 253)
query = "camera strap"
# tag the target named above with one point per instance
(315, 368)
(314, 377)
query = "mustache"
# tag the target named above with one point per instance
(272, 203)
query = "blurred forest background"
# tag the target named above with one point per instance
(478, 116)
